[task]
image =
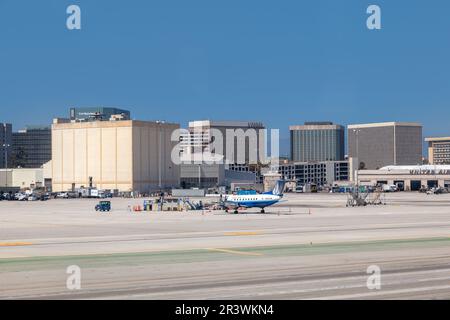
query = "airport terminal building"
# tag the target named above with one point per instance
(407, 178)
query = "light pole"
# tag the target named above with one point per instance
(356, 131)
(5, 147)
(160, 123)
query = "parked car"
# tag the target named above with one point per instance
(73, 195)
(390, 188)
(21, 196)
(105, 195)
(44, 197)
(8, 196)
(33, 197)
(436, 190)
(62, 195)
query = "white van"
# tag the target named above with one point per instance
(390, 188)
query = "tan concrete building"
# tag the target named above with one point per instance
(118, 155)
(26, 178)
(438, 150)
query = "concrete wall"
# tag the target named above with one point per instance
(372, 146)
(236, 177)
(211, 175)
(28, 178)
(408, 145)
(152, 148)
(6, 178)
(270, 179)
(116, 154)
(22, 178)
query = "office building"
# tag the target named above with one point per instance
(128, 156)
(31, 147)
(378, 145)
(5, 144)
(201, 138)
(98, 113)
(317, 141)
(438, 150)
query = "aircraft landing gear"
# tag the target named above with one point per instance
(263, 211)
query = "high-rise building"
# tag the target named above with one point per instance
(242, 142)
(317, 141)
(438, 150)
(5, 144)
(98, 113)
(31, 147)
(377, 145)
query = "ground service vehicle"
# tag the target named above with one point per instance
(103, 206)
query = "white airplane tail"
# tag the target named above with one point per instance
(279, 188)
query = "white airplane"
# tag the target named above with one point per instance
(251, 199)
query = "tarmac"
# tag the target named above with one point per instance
(310, 246)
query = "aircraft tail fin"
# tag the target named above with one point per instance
(279, 188)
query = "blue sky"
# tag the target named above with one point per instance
(280, 62)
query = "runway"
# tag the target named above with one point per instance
(309, 247)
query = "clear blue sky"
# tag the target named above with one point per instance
(280, 62)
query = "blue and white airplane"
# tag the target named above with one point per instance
(251, 199)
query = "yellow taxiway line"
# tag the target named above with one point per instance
(15, 244)
(236, 252)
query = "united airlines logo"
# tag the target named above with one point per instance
(429, 172)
